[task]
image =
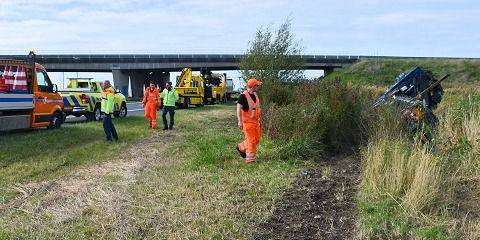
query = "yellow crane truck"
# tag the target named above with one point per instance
(198, 90)
(219, 86)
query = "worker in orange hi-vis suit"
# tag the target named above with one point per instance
(248, 115)
(151, 101)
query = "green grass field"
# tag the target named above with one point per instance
(43, 154)
(188, 183)
(382, 72)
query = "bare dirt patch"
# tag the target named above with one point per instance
(320, 204)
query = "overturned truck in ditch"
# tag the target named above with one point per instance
(417, 93)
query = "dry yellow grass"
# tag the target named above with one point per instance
(471, 129)
(408, 176)
(435, 189)
(383, 171)
(426, 180)
(470, 230)
(153, 191)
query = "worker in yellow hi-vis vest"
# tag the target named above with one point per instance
(169, 97)
(108, 99)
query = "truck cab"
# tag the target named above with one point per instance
(229, 85)
(84, 83)
(28, 98)
(191, 89)
(219, 86)
(201, 89)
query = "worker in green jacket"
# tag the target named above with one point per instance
(169, 96)
(108, 99)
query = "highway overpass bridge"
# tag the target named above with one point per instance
(142, 68)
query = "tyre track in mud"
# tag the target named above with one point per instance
(320, 204)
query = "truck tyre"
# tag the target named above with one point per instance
(56, 121)
(186, 103)
(122, 113)
(97, 113)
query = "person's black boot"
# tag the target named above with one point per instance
(244, 155)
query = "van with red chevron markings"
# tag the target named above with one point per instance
(28, 99)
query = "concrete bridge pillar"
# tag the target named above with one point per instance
(120, 81)
(138, 79)
(327, 71)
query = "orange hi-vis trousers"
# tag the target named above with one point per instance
(151, 99)
(252, 132)
(151, 113)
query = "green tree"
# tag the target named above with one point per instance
(273, 57)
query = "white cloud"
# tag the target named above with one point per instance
(356, 27)
(210, 26)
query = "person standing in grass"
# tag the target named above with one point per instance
(169, 97)
(248, 115)
(151, 101)
(108, 99)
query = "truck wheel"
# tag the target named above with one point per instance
(186, 103)
(97, 113)
(56, 121)
(123, 111)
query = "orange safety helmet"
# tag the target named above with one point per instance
(252, 82)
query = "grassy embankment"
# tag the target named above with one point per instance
(43, 154)
(195, 180)
(189, 183)
(383, 72)
(414, 191)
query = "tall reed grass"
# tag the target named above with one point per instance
(435, 189)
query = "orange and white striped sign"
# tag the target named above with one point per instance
(13, 79)
(20, 82)
(3, 85)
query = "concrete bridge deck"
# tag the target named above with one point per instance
(141, 68)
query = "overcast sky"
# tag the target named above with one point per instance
(364, 27)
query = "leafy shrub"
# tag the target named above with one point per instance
(318, 117)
